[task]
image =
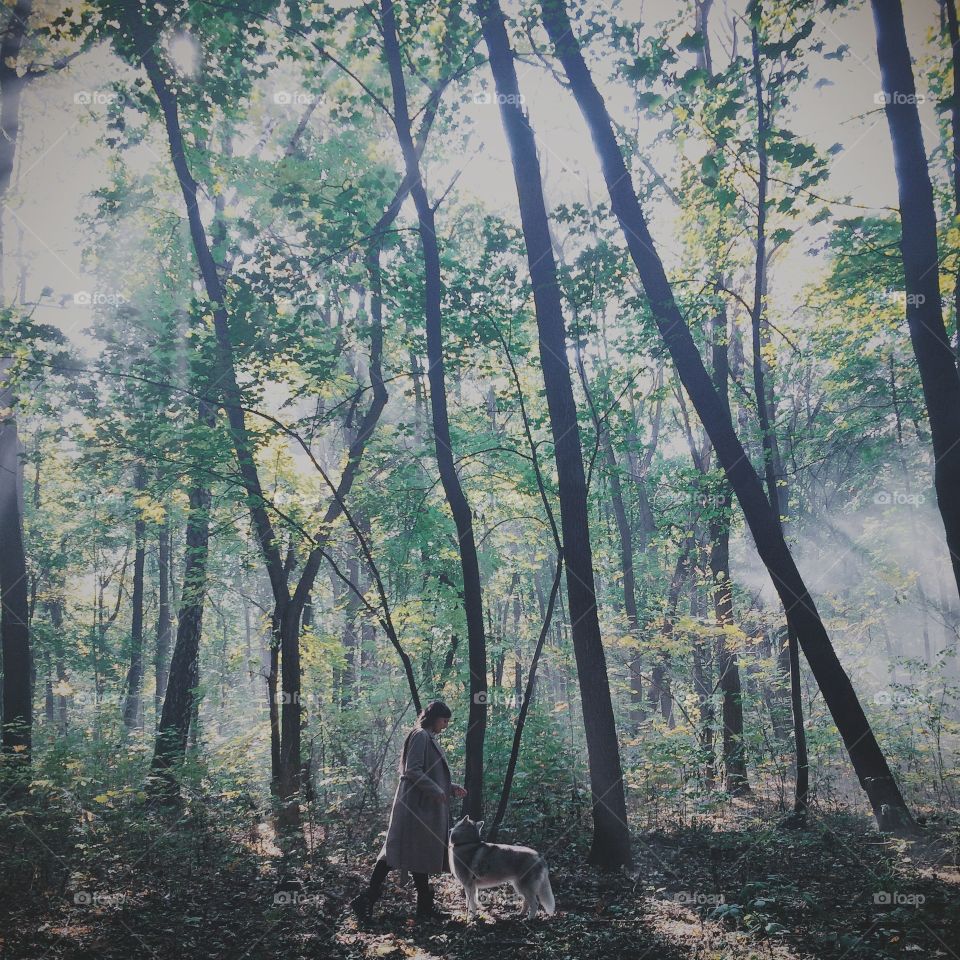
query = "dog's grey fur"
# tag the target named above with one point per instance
(477, 864)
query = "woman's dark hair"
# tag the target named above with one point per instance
(434, 711)
(437, 710)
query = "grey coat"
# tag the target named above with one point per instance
(420, 818)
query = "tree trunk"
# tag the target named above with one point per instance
(55, 609)
(660, 696)
(16, 709)
(525, 706)
(625, 535)
(773, 468)
(178, 703)
(452, 488)
(936, 360)
(164, 623)
(133, 703)
(734, 759)
(703, 687)
(953, 28)
(14, 616)
(868, 759)
(611, 835)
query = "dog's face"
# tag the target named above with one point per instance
(466, 830)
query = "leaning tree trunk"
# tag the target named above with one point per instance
(452, 488)
(953, 29)
(868, 759)
(611, 835)
(133, 704)
(936, 360)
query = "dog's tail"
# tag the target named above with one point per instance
(544, 890)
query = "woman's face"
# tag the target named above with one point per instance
(440, 724)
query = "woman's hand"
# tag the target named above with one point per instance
(458, 791)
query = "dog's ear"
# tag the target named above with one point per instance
(480, 824)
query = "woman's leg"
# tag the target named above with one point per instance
(424, 895)
(363, 904)
(380, 870)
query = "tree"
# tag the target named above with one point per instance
(17, 716)
(133, 705)
(773, 464)
(611, 836)
(453, 489)
(868, 759)
(935, 357)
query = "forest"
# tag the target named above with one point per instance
(583, 375)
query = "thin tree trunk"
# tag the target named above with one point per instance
(525, 706)
(55, 609)
(16, 707)
(734, 758)
(611, 835)
(178, 703)
(164, 623)
(868, 759)
(936, 359)
(703, 687)
(773, 469)
(14, 615)
(133, 702)
(660, 696)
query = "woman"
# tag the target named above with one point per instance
(420, 816)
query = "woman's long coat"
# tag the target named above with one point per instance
(420, 818)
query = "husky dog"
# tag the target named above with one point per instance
(477, 864)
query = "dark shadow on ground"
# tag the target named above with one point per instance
(131, 882)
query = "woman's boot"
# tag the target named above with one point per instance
(425, 910)
(362, 905)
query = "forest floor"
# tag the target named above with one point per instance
(145, 885)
